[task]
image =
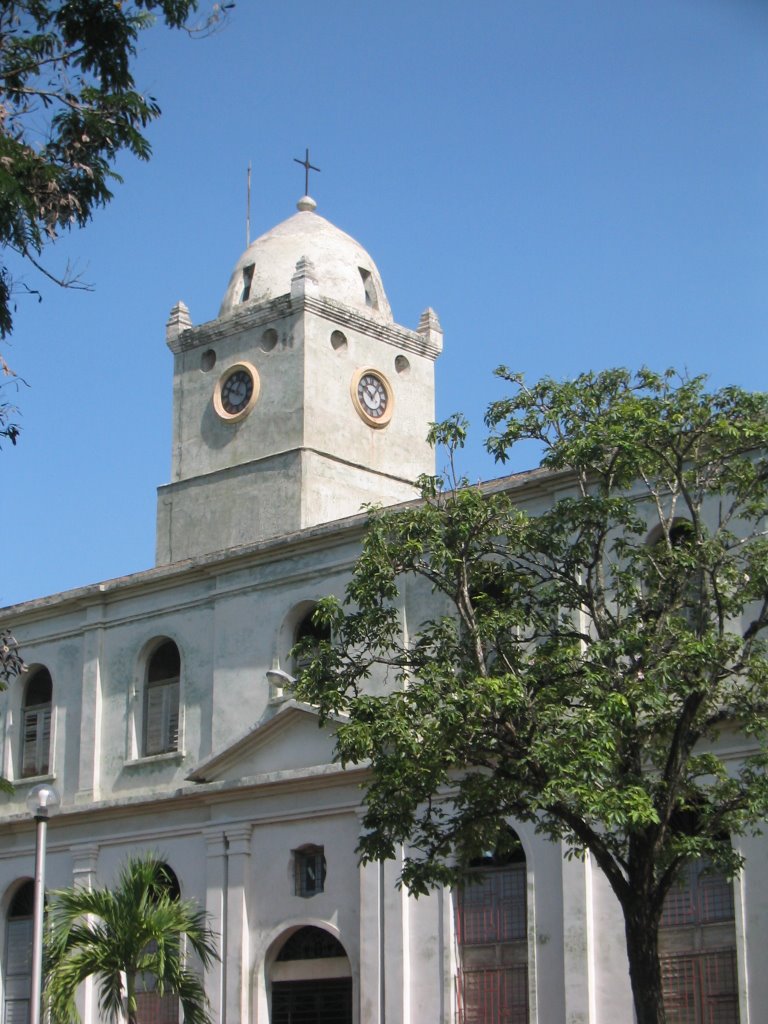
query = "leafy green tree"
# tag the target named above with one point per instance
(598, 625)
(121, 936)
(68, 106)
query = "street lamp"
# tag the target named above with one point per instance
(43, 803)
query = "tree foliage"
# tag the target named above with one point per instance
(11, 665)
(68, 107)
(123, 937)
(599, 633)
(11, 661)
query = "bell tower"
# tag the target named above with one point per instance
(300, 402)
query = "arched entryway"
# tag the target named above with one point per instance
(18, 955)
(492, 933)
(151, 1006)
(697, 945)
(311, 980)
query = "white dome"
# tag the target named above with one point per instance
(343, 269)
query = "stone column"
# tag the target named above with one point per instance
(238, 959)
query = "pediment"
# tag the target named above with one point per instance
(289, 740)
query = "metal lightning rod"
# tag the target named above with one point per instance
(248, 209)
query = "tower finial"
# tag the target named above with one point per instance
(307, 168)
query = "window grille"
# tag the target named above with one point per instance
(697, 942)
(493, 909)
(492, 934)
(153, 1008)
(494, 996)
(306, 1002)
(701, 988)
(699, 896)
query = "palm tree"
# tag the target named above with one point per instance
(121, 937)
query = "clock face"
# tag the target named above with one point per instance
(236, 391)
(373, 398)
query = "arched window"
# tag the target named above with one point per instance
(161, 700)
(306, 628)
(151, 1007)
(676, 579)
(36, 724)
(18, 956)
(697, 944)
(492, 933)
(311, 980)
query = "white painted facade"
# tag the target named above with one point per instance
(252, 531)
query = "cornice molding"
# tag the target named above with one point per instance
(247, 316)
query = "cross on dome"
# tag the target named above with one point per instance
(307, 168)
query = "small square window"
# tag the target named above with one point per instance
(310, 870)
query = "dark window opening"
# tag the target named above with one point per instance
(161, 702)
(311, 943)
(308, 629)
(245, 294)
(371, 298)
(322, 1001)
(310, 870)
(36, 725)
(18, 956)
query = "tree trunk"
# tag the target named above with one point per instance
(641, 927)
(131, 1008)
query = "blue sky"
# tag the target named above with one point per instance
(571, 184)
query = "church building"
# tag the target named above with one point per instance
(160, 707)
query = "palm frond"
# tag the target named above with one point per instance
(133, 929)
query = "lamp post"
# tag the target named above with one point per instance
(43, 802)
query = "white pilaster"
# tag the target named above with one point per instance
(84, 859)
(89, 775)
(215, 889)
(372, 969)
(397, 982)
(578, 942)
(237, 1003)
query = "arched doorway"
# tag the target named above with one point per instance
(18, 956)
(151, 1006)
(697, 946)
(492, 934)
(311, 980)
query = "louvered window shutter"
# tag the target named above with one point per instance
(37, 741)
(154, 727)
(162, 724)
(172, 703)
(44, 745)
(18, 957)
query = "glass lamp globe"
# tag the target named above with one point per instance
(43, 801)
